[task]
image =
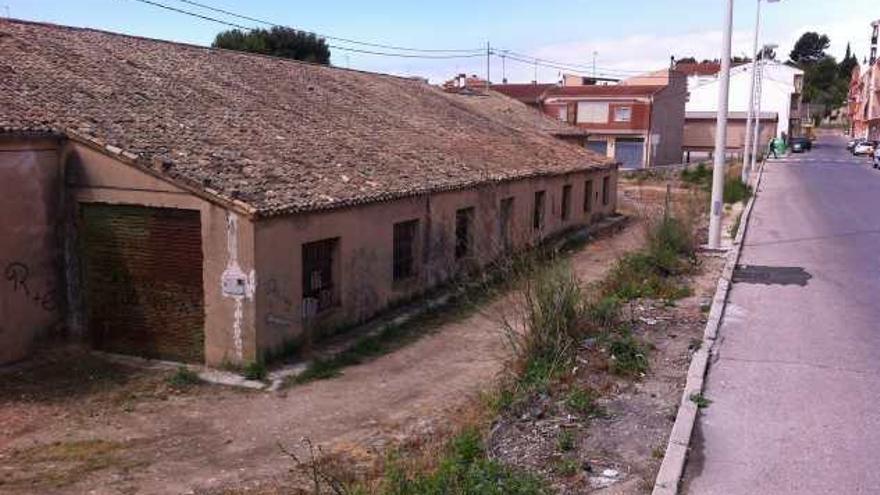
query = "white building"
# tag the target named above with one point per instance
(781, 94)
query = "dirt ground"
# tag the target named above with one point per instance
(72, 423)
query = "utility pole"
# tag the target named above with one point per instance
(721, 134)
(488, 66)
(747, 148)
(503, 66)
(536, 71)
(757, 130)
(748, 158)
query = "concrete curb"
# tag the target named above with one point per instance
(672, 468)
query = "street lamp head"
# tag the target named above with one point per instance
(771, 46)
(772, 1)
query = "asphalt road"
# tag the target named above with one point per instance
(795, 388)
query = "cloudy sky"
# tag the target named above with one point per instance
(626, 35)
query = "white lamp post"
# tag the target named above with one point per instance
(757, 127)
(720, 134)
(748, 157)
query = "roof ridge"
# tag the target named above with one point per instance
(65, 27)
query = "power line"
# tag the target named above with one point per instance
(335, 47)
(337, 38)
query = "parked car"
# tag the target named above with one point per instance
(800, 144)
(851, 144)
(864, 148)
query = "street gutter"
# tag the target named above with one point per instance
(672, 468)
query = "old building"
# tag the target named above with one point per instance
(699, 132)
(781, 93)
(195, 204)
(638, 125)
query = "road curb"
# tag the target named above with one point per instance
(672, 468)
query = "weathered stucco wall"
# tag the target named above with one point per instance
(30, 203)
(364, 281)
(667, 121)
(227, 243)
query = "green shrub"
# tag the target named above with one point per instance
(464, 469)
(255, 370)
(628, 356)
(565, 440)
(651, 272)
(735, 191)
(604, 313)
(701, 175)
(184, 377)
(582, 401)
(553, 307)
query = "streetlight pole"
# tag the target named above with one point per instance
(747, 149)
(748, 156)
(721, 134)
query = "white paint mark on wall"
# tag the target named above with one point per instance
(236, 284)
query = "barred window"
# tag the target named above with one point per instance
(566, 202)
(538, 212)
(318, 277)
(405, 235)
(464, 219)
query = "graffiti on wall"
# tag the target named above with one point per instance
(18, 276)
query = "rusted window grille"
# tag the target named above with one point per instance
(566, 202)
(463, 232)
(538, 213)
(318, 277)
(404, 249)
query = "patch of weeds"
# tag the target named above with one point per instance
(63, 463)
(604, 313)
(319, 369)
(701, 176)
(700, 400)
(255, 370)
(735, 191)
(695, 344)
(706, 307)
(658, 452)
(565, 440)
(653, 271)
(734, 228)
(582, 401)
(184, 377)
(566, 466)
(463, 468)
(501, 399)
(628, 356)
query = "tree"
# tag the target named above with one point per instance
(278, 42)
(810, 48)
(848, 63)
(767, 53)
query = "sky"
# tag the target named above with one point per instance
(626, 36)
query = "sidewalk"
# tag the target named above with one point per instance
(795, 376)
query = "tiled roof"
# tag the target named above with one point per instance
(699, 69)
(277, 135)
(519, 116)
(523, 92)
(616, 90)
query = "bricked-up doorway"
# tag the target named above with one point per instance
(142, 276)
